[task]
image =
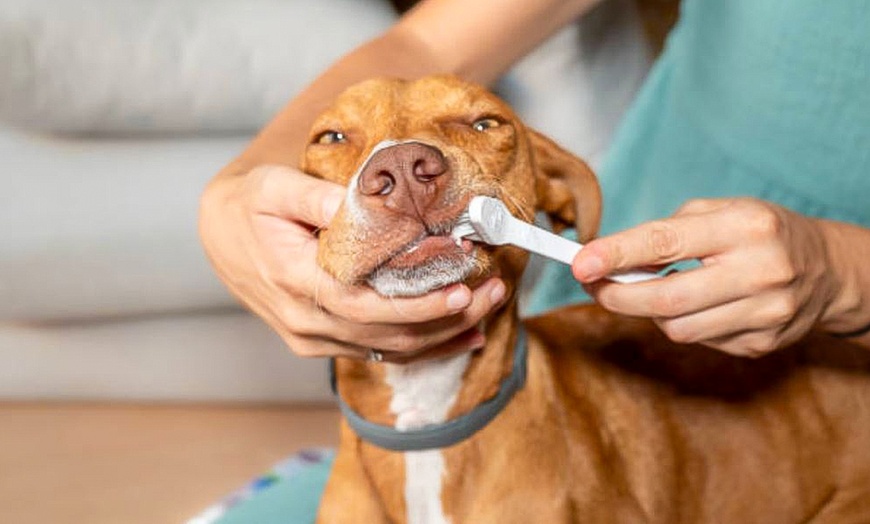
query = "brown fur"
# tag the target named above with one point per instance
(616, 423)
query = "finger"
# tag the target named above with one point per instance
(296, 271)
(362, 305)
(309, 345)
(300, 343)
(413, 338)
(407, 338)
(698, 206)
(653, 243)
(750, 344)
(468, 340)
(769, 313)
(314, 346)
(678, 294)
(312, 332)
(291, 194)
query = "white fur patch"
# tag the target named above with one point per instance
(419, 280)
(424, 471)
(423, 393)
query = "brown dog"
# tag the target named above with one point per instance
(614, 423)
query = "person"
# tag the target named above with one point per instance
(747, 99)
(747, 149)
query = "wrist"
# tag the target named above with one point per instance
(848, 311)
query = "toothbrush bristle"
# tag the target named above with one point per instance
(462, 228)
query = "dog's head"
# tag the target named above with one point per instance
(412, 154)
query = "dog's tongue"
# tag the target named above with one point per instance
(428, 248)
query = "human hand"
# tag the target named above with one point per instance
(765, 278)
(259, 230)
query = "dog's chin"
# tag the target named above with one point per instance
(414, 281)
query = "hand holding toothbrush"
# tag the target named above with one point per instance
(766, 275)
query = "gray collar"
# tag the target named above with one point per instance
(447, 433)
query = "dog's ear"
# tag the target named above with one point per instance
(566, 187)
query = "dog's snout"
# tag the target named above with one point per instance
(406, 175)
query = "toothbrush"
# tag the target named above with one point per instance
(488, 220)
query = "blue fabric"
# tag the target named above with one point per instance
(763, 98)
(289, 499)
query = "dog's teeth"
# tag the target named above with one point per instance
(461, 230)
(412, 249)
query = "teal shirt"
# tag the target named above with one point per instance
(763, 98)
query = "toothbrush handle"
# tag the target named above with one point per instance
(561, 249)
(548, 244)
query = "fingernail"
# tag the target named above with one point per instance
(588, 268)
(331, 202)
(497, 293)
(459, 299)
(477, 341)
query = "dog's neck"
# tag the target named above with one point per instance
(408, 396)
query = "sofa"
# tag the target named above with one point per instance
(115, 113)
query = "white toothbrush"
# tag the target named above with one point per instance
(488, 220)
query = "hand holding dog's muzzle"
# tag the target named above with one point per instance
(259, 230)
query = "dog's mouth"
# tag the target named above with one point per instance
(427, 247)
(431, 261)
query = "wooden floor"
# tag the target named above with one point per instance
(96, 464)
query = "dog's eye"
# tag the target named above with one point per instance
(330, 137)
(484, 124)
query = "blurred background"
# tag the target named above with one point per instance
(132, 386)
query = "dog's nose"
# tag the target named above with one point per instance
(407, 176)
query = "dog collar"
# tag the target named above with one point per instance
(445, 434)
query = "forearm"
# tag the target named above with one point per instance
(283, 139)
(849, 254)
(475, 40)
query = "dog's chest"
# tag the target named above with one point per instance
(423, 394)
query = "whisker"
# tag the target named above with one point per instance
(518, 205)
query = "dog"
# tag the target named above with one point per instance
(614, 423)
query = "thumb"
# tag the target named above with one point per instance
(291, 194)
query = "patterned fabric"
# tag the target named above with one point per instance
(287, 494)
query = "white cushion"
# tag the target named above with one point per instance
(94, 228)
(223, 357)
(100, 66)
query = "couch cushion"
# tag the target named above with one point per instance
(100, 66)
(96, 228)
(229, 356)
